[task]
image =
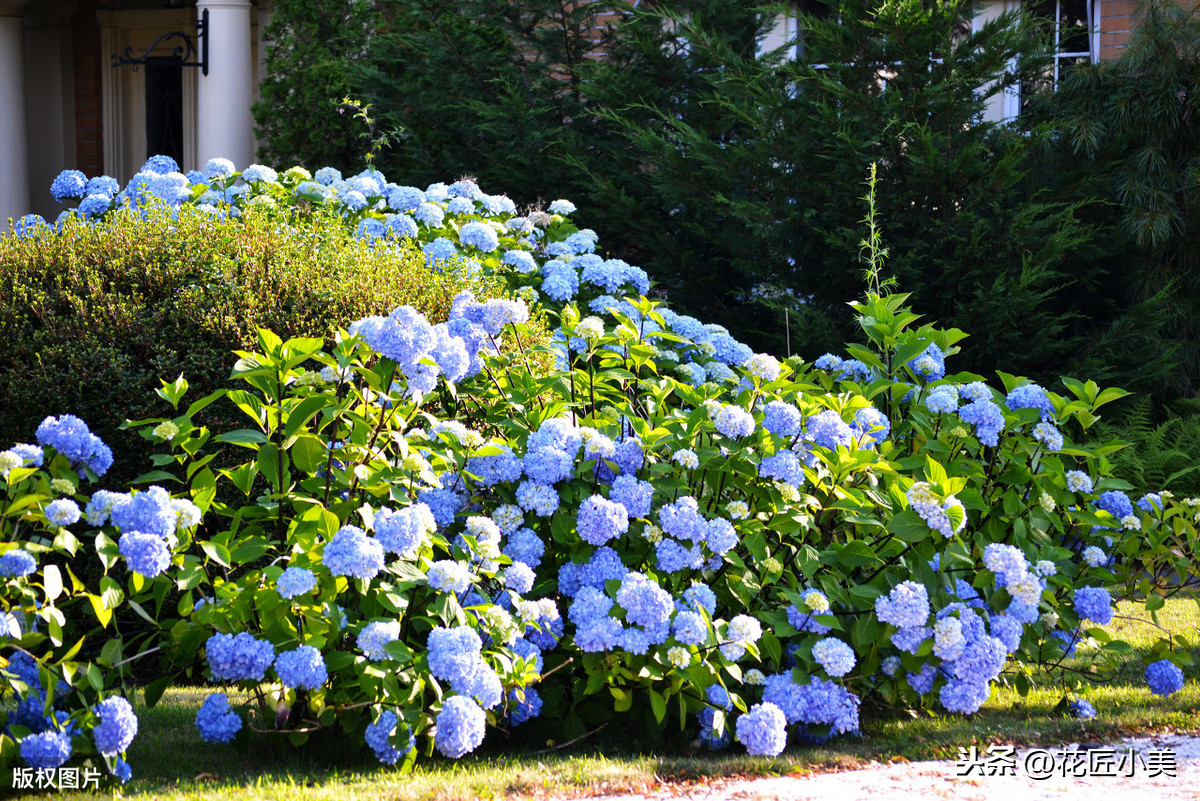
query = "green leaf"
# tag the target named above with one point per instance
(308, 453)
(856, 553)
(103, 615)
(111, 594)
(302, 413)
(658, 705)
(247, 437)
(909, 526)
(269, 458)
(173, 392)
(217, 552)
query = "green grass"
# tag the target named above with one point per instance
(171, 762)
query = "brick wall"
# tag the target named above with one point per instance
(89, 111)
(1117, 19)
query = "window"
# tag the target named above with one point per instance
(1068, 25)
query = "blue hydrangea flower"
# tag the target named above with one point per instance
(30, 225)
(1094, 604)
(518, 577)
(987, 419)
(160, 165)
(216, 721)
(68, 184)
(548, 465)
(646, 604)
(352, 553)
(400, 226)
(62, 512)
(17, 563)
(148, 512)
(70, 436)
(479, 235)
(689, 628)
(117, 727)
(454, 653)
(523, 705)
(449, 576)
(146, 554)
(240, 657)
(48, 749)
(907, 605)
(734, 422)
(1164, 677)
(923, 681)
(763, 730)
(428, 214)
(295, 581)
(828, 430)
(835, 656)
(93, 206)
(375, 635)
(525, 546)
(520, 260)
(258, 173)
(459, 727)
(942, 399)
(540, 499)
(560, 281)
(1150, 502)
(672, 557)
(122, 770)
(303, 668)
(964, 697)
(102, 186)
(871, 425)
(930, 365)
(1048, 435)
(600, 520)
(401, 198)
(1031, 396)
(700, 596)
(633, 494)
(784, 467)
(1078, 481)
(222, 168)
(404, 531)
(1116, 503)
(378, 736)
(782, 419)
(1080, 708)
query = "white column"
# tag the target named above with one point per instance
(224, 125)
(14, 182)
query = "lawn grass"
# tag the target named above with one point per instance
(171, 762)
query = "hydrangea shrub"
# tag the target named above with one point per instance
(438, 528)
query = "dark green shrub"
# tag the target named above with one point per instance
(96, 316)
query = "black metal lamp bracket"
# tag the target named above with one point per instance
(185, 52)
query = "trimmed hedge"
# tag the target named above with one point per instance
(95, 317)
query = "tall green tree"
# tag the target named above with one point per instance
(312, 49)
(484, 88)
(1133, 130)
(757, 161)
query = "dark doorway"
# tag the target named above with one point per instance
(164, 108)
